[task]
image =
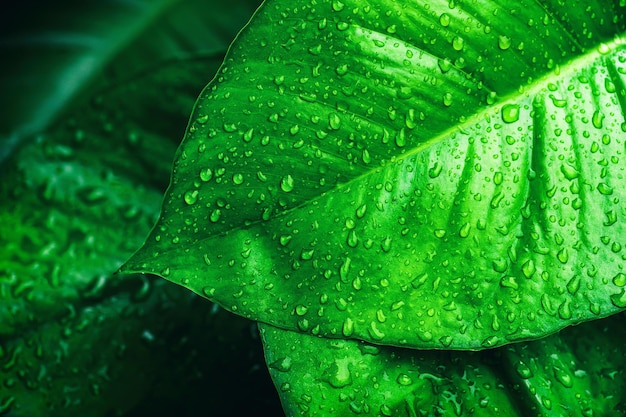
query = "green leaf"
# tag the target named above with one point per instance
(440, 175)
(578, 372)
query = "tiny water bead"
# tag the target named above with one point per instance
(287, 183)
(510, 113)
(191, 197)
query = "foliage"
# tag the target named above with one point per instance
(421, 205)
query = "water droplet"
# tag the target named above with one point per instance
(348, 327)
(344, 269)
(447, 99)
(563, 377)
(445, 340)
(401, 138)
(597, 119)
(404, 380)
(338, 374)
(215, 215)
(287, 183)
(365, 157)
(604, 49)
(206, 174)
(444, 19)
(504, 42)
(360, 212)
(523, 370)
(465, 230)
(237, 179)
(301, 310)
(386, 244)
(562, 255)
(489, 341)
(565, 311)
(248, 134)
(285, 239)
(573, 285)
(619, 300)
(191, 197)
(342, 70)
(374, 332)
(435, 170)
(528, 268)
(458, 43)
(605, 189)
(569, 171)
(352, 240)
(337, 5)
(230, 127)
(334, 121)
(510, 113)
(619, 280)
(307, 254)
(282, 364)
(445, 65)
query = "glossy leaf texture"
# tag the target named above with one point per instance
(577, 372)
(433, 175)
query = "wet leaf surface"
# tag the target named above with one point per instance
(577, 372)
(433, 176)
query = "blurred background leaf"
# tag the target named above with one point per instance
(96, 96)
(56, 52)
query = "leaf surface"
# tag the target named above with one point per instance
(429, 175)
(577, 372)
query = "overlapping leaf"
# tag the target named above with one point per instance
(434, 175)
(577, 372)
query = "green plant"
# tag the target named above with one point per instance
(419, 203)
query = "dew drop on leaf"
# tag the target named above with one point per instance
(348, 327)
(504, 42)
(528, 268)
(619, 300)
(287, 183)
(334, 121)
(237, 179)
(458, 43)
(215, 215)
(337, 5)
(444, 19)
(563, 377)
(191, 197)
(404, 380)
(374, 332)
(510, 113)
(523, 370)
(206, 174)
(248, 135)
(619, 280)
(605, 189)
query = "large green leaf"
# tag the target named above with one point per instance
(435, 175)
(578, 372)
